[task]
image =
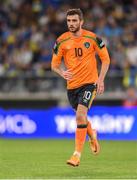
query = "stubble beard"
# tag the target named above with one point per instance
(75, 30)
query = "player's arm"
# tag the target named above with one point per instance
(104, 56)
(100, 81)
(56, 62)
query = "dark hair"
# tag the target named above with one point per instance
(74, 12)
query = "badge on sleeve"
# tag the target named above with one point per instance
(55, 48)
(100, 43)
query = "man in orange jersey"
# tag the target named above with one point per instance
(78, 48)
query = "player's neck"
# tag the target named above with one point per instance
(78, 33)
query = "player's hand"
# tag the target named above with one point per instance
(67, 74)
(100, 86)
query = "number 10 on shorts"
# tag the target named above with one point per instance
(87, 95)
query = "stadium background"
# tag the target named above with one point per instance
(33, 102)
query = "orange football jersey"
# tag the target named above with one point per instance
(79, 57)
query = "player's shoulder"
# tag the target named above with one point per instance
(89, 33)
(60, 40)
(96, 39)
(63, 37)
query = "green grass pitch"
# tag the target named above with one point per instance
(46, 159)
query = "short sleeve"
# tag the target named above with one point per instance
(102, 51)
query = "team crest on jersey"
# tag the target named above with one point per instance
(87, 44)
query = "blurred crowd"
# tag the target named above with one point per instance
(29, 28)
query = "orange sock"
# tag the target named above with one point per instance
(89, 129)
(80, 137)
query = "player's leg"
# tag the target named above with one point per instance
(80, 135)
(93, 141)
(92, 133)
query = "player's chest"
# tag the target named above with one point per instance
(78, 46)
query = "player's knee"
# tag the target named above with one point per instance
(80, 118)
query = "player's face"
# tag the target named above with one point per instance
(74, 23)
